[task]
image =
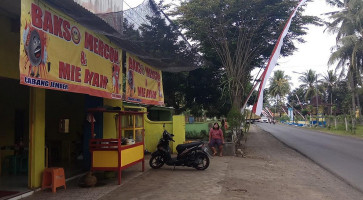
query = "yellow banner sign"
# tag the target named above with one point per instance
(58, 53)
(143, 83)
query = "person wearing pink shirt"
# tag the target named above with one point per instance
(216, 138)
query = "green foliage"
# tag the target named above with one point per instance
(279, 84)
(342, 98)
(341, 131)
(197, 91)
(283, 118)
(309, 80)
(235, 119)
(192, 135)
(237, 39)
(228, 136)
(202, 135)
(348, 52)
(175, 85)
(203, 91)
(310, 109)
(304, 112)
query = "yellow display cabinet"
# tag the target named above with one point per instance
(124, 151)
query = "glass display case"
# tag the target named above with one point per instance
(123, 151)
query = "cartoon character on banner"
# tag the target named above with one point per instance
(76, 35)
(130, 80)
(35, 45)
(116, 79)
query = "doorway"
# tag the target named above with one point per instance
(14, 134)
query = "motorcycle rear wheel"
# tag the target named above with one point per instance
(202, 161)
(156, 162)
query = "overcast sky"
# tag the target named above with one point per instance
(313, 54)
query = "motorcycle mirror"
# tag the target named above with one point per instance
(164, 125)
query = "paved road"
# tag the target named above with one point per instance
(341, 155)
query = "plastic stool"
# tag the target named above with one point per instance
(53, 177)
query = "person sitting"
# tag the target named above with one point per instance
(216, 138)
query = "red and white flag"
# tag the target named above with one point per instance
(257, 108)
(265, 113)
(283, 109)
(269, 111)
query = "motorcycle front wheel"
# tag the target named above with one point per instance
(201, 161)
(156, 162)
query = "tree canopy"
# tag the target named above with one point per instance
(347, 23)
(239, 35)
(233, 36)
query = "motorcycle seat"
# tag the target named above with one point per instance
(181, 147)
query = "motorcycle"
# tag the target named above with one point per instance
(193, 154)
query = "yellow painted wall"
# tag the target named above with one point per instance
(303, 122)
(36, 136)
(109, 125)
(307, 122)
(9, 50)
(178, 130)
(154, 131)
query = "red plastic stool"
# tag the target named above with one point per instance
(53, 177)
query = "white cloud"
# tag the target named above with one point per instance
(315, 52)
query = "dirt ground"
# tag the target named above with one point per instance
(270, 171)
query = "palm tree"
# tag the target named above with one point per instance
(349, 49)
(310, 84)
(329, 81)
(309, 79)
(347, 23)
(279, 85)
